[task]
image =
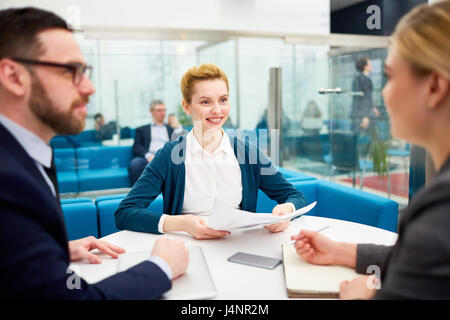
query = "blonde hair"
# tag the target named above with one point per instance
(206, 71)
(423, 38)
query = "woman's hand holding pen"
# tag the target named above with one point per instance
(315, 248)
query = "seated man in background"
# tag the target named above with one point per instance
(44, 91)
(99, 121)
(104, 131)
(148, 139)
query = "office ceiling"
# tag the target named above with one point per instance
(340, 4)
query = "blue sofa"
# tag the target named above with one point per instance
(65, 163)
(87, 138)
(107, 208)
(84, 218)
(81, 219)
(333, 201)
(75, 200)
(92, 168)
(343, 203)
(103, 167)
(110, 197)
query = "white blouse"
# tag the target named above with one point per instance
(209, 177)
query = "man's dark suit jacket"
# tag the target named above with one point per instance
(142, 139)
(418, 266)
(34, 256)
(362, 106)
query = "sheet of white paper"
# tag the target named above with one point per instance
(225, 218)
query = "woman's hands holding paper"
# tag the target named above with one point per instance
(197, 228)
(279, 210)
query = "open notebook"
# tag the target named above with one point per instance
(196, 283)
(304, 280)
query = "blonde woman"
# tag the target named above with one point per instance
(203, 167)
(417, 96)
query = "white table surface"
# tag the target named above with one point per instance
(232, 280)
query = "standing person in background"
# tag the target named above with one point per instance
(417, 97)
(44, 91)
(149, 139)
(363, 112)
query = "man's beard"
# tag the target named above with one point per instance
(62, 122)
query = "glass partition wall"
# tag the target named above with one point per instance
(321, 90)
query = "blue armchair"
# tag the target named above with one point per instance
(81, 220)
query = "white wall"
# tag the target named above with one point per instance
(274, 16)
(150, 69)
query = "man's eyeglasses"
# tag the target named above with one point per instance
(77, 69)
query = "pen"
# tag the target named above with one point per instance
(320, 230)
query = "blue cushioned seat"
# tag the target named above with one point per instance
(103, 167)
(59, 142)
(343, 203)
(104, 179)
(334, 201)
(110, 197)
(67, 182)
(87, 138)
(75, 200)
(107, 208)
(65, 164)
(81, 220)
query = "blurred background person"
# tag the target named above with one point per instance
(363, 111)
(149, 139)
(104, 131)
(311, 121)
(99, 121)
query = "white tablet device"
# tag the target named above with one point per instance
(195, 284)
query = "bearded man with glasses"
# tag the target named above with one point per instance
(44, 91)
